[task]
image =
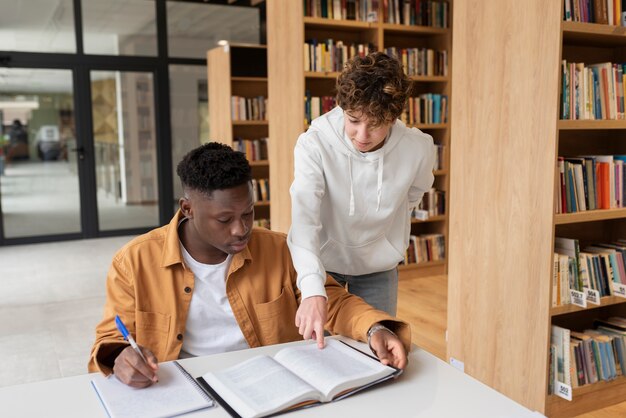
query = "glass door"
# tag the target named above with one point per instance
(39, 181)
(125, 151)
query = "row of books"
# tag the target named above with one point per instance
(248, 108)
(255, 149)
(424, 248)
(406, 12)
(607, 12)
(593, 91)
(262, 223)
(316, 106)
(440, 157)
(421, 61)
(329, 56)
(590, 183)
(417, 12)
(426, 108)
(587, 357)
(433, 202)
(261, 190)
(360, 10)
(596, 271)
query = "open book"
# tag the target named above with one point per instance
(295, 377)
(175, 393)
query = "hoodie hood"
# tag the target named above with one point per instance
(331, 125)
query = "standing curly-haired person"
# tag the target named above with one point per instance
(359, 171)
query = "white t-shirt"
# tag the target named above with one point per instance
(211, 326)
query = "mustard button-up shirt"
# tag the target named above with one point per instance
(146, 288)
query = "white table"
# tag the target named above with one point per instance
(429, 387)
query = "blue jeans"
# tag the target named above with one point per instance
(378, 289)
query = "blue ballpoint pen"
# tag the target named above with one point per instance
(128, 337)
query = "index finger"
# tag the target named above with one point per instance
(140, 366)
(319, 333)
(152, 360)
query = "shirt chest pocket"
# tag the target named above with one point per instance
(276, 319)
(153, 330)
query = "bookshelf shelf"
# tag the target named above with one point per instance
(240, 70)
(440, 172)
(589, 216)
(605, 301)
(588, 398)
(593, 34)
(414, 30)
(334, 24)
(437, 218)
(249, 79)
(499, 328)
(427, 126)
(430, 78)
(416, 266)
(591, 124)
(321, 74)
(250, 122)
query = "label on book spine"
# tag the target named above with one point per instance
(563, 391)
(593, 296)
(421, 214)
(578, 298)
(619, 289)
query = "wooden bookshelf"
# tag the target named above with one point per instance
(239, 70)
(503, 217)
(287, 30)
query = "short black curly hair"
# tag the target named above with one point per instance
(375, 85)
(213, 166)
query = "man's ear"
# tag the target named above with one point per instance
(185, 207)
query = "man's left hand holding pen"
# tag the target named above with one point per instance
(135, 366)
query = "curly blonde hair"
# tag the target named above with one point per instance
(374, 85)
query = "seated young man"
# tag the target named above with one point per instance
(209, 283)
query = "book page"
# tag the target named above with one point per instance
(259, 386)
(173, 394)
(332, 369)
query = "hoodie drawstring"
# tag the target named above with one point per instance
(351, 211)
(379, 190)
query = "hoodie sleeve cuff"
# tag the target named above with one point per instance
(312, 286)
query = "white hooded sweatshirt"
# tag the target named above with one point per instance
(351, 210)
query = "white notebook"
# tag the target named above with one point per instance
(175, 393)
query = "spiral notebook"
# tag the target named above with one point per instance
(175, 393)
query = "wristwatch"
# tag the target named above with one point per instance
(374, 329)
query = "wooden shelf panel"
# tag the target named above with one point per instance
(249, 122)
(587, 398)
(589, 216)
(321, 74)
(352, 25)
(414, 266)
(605, 301)
(437, 218)
(413, 29)
(262, 203)
(250, 79)
(259, 163)
(440, 172)
(590, 124)
(428, 125)
(593, 34)
(430, 78)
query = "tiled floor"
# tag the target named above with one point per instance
(51, 297)
(42, 198)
